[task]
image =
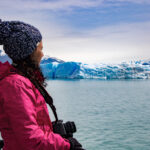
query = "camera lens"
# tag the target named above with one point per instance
(70, 127)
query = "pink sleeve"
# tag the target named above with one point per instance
(19, 102)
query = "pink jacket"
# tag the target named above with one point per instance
(24, 119)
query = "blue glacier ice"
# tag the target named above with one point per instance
(78, 70)
(54, 68)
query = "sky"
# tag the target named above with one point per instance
(91, 31)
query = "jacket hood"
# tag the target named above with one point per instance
(6, 69)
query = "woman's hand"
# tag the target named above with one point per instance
(74, 144)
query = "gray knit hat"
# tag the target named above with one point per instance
(19, 39)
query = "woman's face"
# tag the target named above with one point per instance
(38, 53)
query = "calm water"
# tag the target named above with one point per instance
(109, 115)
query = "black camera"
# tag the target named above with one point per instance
(64, 129)
(1, 144)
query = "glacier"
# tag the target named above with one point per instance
(54, 68)
(78, 70)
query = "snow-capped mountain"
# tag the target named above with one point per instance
(4, 57)
(146, 62)
(56, 68)
(46, 59)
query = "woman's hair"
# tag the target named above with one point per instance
(30, 69)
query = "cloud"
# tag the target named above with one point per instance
(132, 1)
(112, 43)
(64, 5)
(117, 43)
(50, 5)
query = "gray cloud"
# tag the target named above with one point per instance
(115, 43)
(112, 43)
(62, 4)
(132, 1)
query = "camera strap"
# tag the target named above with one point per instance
(47, 98)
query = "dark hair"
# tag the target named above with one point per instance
(30, 69)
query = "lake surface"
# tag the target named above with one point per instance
(109, 115)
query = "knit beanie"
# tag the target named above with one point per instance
(19, 39)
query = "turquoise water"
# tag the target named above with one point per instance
(110, 115)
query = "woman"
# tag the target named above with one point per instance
(24, 120)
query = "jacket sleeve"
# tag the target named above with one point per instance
(19, 106)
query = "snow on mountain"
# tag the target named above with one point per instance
(146, 62)
(46, 59)
(4, 57)
(56, 68)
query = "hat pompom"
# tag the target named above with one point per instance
(4, 31)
